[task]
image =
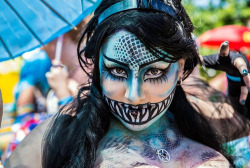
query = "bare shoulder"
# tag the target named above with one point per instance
(211, 158)
(196, 155)
(28, 152)
(218, 162)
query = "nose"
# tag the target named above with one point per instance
(134, 92)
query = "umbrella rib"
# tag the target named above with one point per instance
(82, 5)
(19, 16)
(58, 14)
(7, 49)
(91, 1)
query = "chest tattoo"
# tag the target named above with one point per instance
(128, 150)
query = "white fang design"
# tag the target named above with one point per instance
(146, 112)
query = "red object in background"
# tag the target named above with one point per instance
(237, 36)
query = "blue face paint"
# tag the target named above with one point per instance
(138, 86)
(173, 72)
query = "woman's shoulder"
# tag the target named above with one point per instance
(28, 152)
(198, 155)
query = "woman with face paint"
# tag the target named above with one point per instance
(135, 112)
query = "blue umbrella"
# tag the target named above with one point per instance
(28, 24)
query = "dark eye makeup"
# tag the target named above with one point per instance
(112, 72)
(159, 78)
(118, 73)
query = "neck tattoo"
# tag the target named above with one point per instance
(162, 154)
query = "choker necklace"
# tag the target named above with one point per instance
(162, 154)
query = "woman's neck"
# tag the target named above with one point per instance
(159, 127)
(162, 134)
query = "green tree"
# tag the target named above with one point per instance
(226, 13)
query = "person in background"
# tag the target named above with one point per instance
(9, 76)
(37, 76)
(65, 75)
(45, 84)
(237, 70)
(32, 88)
(30, 95)
(230, 115)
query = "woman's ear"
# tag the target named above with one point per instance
(181, 68)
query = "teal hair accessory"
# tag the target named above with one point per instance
(137, 4)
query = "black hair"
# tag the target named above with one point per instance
(76, 131)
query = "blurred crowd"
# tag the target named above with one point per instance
(37, 85)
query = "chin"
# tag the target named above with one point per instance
(138, 127)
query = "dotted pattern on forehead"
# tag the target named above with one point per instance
(130, 50)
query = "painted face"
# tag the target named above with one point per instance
(137, 86)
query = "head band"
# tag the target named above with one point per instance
(135, 4)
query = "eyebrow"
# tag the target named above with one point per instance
(126, 65)
(113, 60)
(148, 63)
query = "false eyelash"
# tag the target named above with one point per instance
(114, 77)
(160, 79)
(110, 75)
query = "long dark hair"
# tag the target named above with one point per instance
(76, 131)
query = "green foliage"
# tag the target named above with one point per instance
(227, 12)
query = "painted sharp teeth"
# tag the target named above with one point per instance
(160, 106)
(147, 111)
(126, 105)
(145, 118)
(153, 106)
(132, 117)
(112, 108)
(169, 102)
(135, 107)
(125, 116)
(143, 112)
(154, 114)
(138, 117)
(112, 103)
(126, 111)
(118, 110)
(166, 102)
(128, 115)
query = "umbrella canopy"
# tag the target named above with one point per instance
(28, 24)
(237, 36)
